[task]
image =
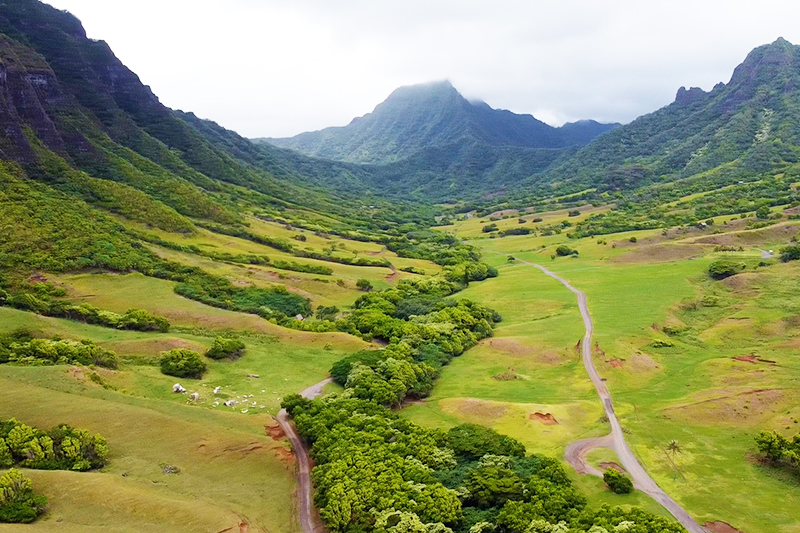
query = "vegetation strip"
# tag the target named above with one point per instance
(642, 479)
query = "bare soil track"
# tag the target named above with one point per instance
(305, 502)
(576, 452)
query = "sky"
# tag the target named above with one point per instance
(275, 68)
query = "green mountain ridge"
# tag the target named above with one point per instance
(433, 115)
(748, 126)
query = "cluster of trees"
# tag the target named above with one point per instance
(18, 502)
(780, 450)
(20, 347)
(441, 248)
(376, 471)
(40, 298)
(790, 253)
(223, 348)
(61, 448)
(183, 363)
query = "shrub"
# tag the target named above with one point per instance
(724, 268)
(790, 253)
(62, 448)
(763, 212)
(182, 363)
(563, 250)
(18, 503)
(222, 348)
(633, 239)
(574, 213)
(617, 481)
(364, 284)
(489, 228)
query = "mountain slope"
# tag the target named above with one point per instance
(415, 118)
(747, 126)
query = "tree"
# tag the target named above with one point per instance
(763, 212)
(563, 250)
(364, 284)
(222, 347)
(182, 363)
(18, 503)
(617, 481)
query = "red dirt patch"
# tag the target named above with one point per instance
(611, 464)
(615, 363)
(392, 277)
(752, 358)
(721, 527)
(285, 455)
(545, 418)
(275, 431)
(77, 373)
(510, 347)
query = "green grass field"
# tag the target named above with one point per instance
(693, 392)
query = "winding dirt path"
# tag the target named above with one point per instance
(305, 503)
(576, 452)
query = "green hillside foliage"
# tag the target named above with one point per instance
(18, 502)
(61, 448)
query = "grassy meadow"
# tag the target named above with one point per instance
(685, 385)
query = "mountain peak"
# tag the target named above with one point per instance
(769, 63)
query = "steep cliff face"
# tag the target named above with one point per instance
(27, 86)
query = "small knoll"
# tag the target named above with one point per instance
(545, 418)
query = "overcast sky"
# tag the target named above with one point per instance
(280, 67)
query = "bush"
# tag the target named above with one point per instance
(574, 213)
(763, 212)
(18, 503)
(62, 448)
(489, 228)
(182, 363)
(633, 239)
(28, 351)
(364, 284)
(222, 348)
(790, 253)
(724, 268)
(617, 481)
(563, 250)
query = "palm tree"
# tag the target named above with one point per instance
(673, 447)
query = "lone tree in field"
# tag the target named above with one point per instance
(364, 285)
(183, 364)
(617, 481)
(674, 448)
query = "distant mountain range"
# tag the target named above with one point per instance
(434, 115)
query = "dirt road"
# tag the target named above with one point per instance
(576, 452)
(305, 503)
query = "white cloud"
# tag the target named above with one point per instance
(279, 67)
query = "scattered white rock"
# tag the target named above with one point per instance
(194, 396)
(230, 403)
(244, 410)
(216, 390)
(178, 389)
